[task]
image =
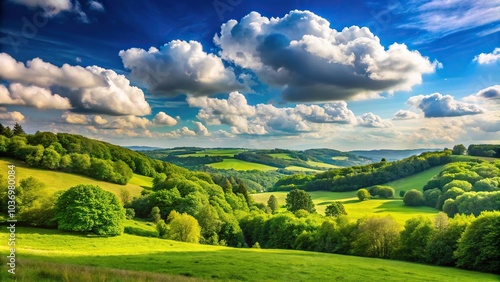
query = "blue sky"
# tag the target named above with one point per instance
(294, 74)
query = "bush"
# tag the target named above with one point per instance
(335, 209)
(299, 199)
(183, 227)
(431, 197)
(363, 194)
(450, 207)
(382, 191)
(139, 232)
(129, 213)
(88, 208)
(162, 229)
(413, 198)
(402, 193)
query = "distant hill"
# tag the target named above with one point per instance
(390, 155)
(142, 148)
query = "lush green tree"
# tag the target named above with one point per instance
(88, 208)
(7, 132)
(376, 237)
(299, 199)
(431, 197)
(415, 237)
(450, 207)
(363, 194)
(50, 159)
(479, 246)
(129, 213)
(382, 191)
(125, 197)
(162, 228)
(183, 227)
(272, 203)
(34, 155)
(487, 185)
(413, 198)
(402, 193)
(80, 163)
(155, 214)
(451, 193)
(459, 150)
(18, 129)
(4, 143)
(209, 221)
(335, 209)
(462, 184)
(475, 203)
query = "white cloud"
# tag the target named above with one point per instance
(200, 129)
(372, 120)
(73, 118)
(404, 115)
(91, 89)
(11, 116)
(184, 131)
(313, 62)
(488, 58)
(179, 67)
(437, 105)
(267, 119)
(99, 120)
(444, 17)
(163, 119)
(32, 96)
(96, 6)
(487, 95)
(50, 7)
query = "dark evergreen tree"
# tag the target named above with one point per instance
(18, 129)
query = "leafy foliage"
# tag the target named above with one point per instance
(363, 194)
(299, 200)
(183, 227)
(413, 198)
(335, 209)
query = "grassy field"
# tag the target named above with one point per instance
(299, 168)
(356, 209)
(214, 152)
(281, 156)
(58, 252)
(56, 180)
(324, 165)
(240, 165)
(340, 158)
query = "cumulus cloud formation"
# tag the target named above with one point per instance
(488, 58)
(92, 89)
(372, 120)
(32, 96)
(163, 119)
(11, 116)
(404, 115)
(265, 118)
(200, 129)
(313, 62)
(73, 118)
(96, 5)
(490, 95)
(50, 7)
(180, 67)
(437, 105)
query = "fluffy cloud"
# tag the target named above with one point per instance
(404, 115)
(490, 95)
(437, 105)
(92, 89)
(313, 62)
(96, 6)
(179, 67)
(11, 116)
(200, 129)
(265, 118)
(372, 120)
(32, 96)
(488, 58)
(73, 118)
(163, 119)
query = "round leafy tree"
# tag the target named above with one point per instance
(413, 198)
(88, 208)
(299, 200)
(363, 194)
(335, 209)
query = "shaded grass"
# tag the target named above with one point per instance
(281, 156)
(214, 153)
(416, 181)
(134, 253)
(324, 165)
(240, 165)
(57, 180)
(299, 168)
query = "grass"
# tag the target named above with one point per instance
(240, 165)
(57, 181)
(323, 165)
(281, 156)
(58, 253)
(214, 152)
(357, 209)
(340, 158)
(299, 168)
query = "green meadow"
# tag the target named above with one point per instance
(281, 156)
(300, 168)
(214, 153)
(57, 180)
(240, 165)
(52, 255)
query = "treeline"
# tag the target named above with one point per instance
(464, 241)
(254, 180)
(269, 160)
(192, 162)
(461, 187)
(353, 178)
(78, 154)
(484, 150)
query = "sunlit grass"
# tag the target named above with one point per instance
(299, 168)
(240, 165)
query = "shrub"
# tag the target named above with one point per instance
(129, 213)
(363, 194)
(335, 209)
(413, 198)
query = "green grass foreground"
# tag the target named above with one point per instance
(63, 254)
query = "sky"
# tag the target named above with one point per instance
(236, 73)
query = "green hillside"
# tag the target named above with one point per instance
(240, 165)
(57, 180)
(152, 255)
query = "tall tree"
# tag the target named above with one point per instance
(459, 150)
(335, 209)
(183, 227)
(272, 203)
(18, 129)
(299, 200)
(7, 132)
